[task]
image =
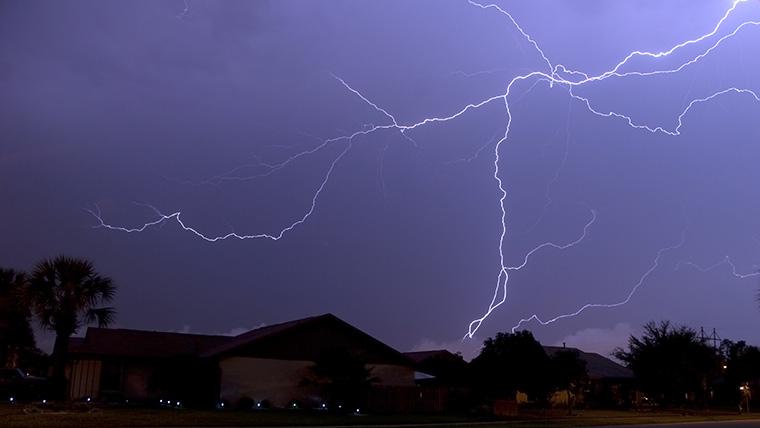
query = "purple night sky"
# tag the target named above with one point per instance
(182, 105)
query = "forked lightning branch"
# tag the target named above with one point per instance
(557, 76)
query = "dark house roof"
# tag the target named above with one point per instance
(142, 344)
(303, 339)
(252, 336)
(308, 339)
(598, 366)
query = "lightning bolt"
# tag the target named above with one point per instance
(652, 268)
(503, 278)
(726, 261)
(272, 236)
(555, 75)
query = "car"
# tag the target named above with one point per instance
(16, 384)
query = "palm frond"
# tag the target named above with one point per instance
(102, 316)
(63, 289)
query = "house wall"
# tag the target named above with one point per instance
(135, 382)
(280, 381)
(277, 381)
(392, 375)
(84, 378)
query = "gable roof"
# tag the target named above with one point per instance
(142, 344)
(259, 334)
(264, 336)
(598, 366)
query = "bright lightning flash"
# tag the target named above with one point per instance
(556, 75)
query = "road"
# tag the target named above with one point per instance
(719, 424)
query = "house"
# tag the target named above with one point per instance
(130, 364)
(268, 364)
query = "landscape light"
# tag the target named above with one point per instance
(161, 401)
(44, 401)
(12, 399)
(178, 403)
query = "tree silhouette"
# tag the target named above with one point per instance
(16, 335)
(343, 376)
(569, 373)
(66, 293)
(670, 363)
(512, 362)
(741, 364)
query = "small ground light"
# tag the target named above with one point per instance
(258, 404)
(12, 399)
(357, 411)
(89, 399)
(44, 401)
(161, 401)
(324, 405)
(178, 403)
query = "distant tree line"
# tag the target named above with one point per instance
(672, 366)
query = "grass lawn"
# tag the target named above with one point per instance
(30, 416)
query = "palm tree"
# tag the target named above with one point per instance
(66, 293)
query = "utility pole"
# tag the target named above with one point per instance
(715, 339)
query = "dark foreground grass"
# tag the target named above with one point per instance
(30, 416)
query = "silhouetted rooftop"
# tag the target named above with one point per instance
(598, 366)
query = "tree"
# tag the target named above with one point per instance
(512, 362)
(670, 362)
(66, 293)
(343, 376)
(448, 369)
(16, 335)
(741, 365)
(568, 373)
